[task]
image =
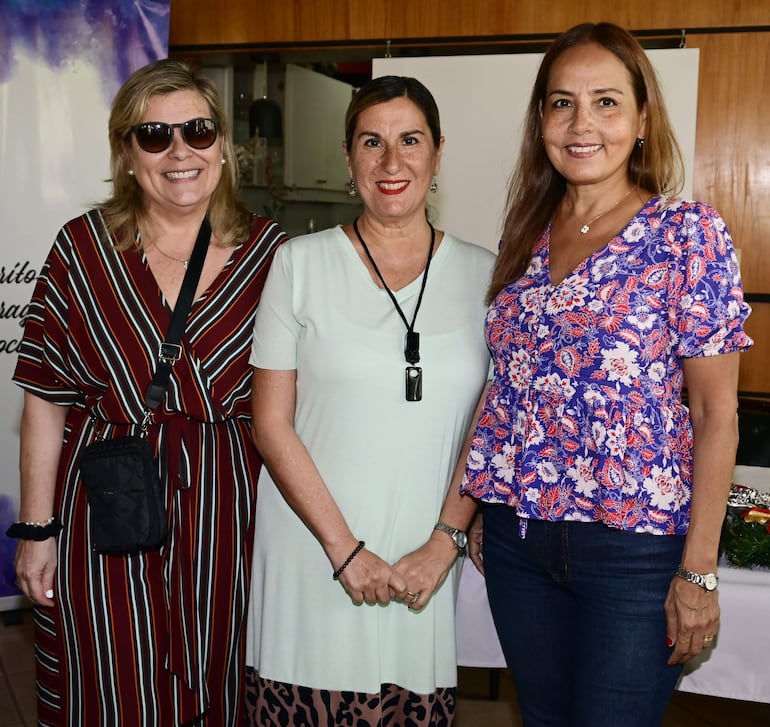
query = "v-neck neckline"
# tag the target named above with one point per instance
(411, 287)
(161, 296)
(582, 264)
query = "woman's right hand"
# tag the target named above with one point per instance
(35, 564)
(41, 437)
(368, 578)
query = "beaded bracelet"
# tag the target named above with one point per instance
(357, 550)
(36, 530)
(40, 523)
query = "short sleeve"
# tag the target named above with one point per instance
(42, 366)
(276, 328)
(706, 287)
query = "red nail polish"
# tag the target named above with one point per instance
(669, 641)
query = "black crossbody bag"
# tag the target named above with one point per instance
(126, 499)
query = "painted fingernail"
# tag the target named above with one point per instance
(669, 641)
(49, 593)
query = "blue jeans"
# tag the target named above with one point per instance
(578, 608)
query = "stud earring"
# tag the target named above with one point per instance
(223, 161)
(640, 143)
(130, 172)
(352, 190)
(434, 186)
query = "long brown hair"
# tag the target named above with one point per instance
(124, 210)
(536, 188)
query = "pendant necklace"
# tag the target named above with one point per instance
(175, 259)
(412, 341)
(168, 257)
(584, 230)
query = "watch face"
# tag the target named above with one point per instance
(461, 539)
(710, 581)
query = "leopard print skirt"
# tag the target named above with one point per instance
(277, 704)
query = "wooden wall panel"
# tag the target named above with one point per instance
(732, 143)
(754, 374)
(211, 22)
(430, 18)
(732, 168)
(207, 22)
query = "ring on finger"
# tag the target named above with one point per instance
(413, 596)
(708, 639)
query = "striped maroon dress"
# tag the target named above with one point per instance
(155, 639)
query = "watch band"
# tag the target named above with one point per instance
(707, 581)
(458, 536)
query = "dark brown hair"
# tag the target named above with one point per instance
(385, 88)
(536, 188)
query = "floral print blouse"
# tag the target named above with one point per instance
(583, 419)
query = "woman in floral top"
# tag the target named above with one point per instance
(598, 485)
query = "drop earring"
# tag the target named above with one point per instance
(352, 190)
(640, 143)
(434, 186)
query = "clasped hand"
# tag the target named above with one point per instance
(412, 580)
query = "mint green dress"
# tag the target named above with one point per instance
(386, 461)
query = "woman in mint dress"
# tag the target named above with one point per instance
(355, 452)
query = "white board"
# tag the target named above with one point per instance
(482, 101)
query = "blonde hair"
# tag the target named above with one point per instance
(536, 188)
(124, 211)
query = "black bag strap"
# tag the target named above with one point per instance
(170, 351)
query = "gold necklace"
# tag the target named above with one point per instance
(157, 247)
(585, 229)
(175, 259)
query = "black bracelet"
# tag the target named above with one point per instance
(339, 570)
(32, 531)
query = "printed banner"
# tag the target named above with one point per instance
(61, 63)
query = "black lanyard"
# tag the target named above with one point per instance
(412, 340)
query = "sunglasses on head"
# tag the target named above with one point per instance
(156, 136)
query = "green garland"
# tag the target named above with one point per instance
(745, 544)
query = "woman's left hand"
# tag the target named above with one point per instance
(476, 542)
(692, 619)
(425, 569)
